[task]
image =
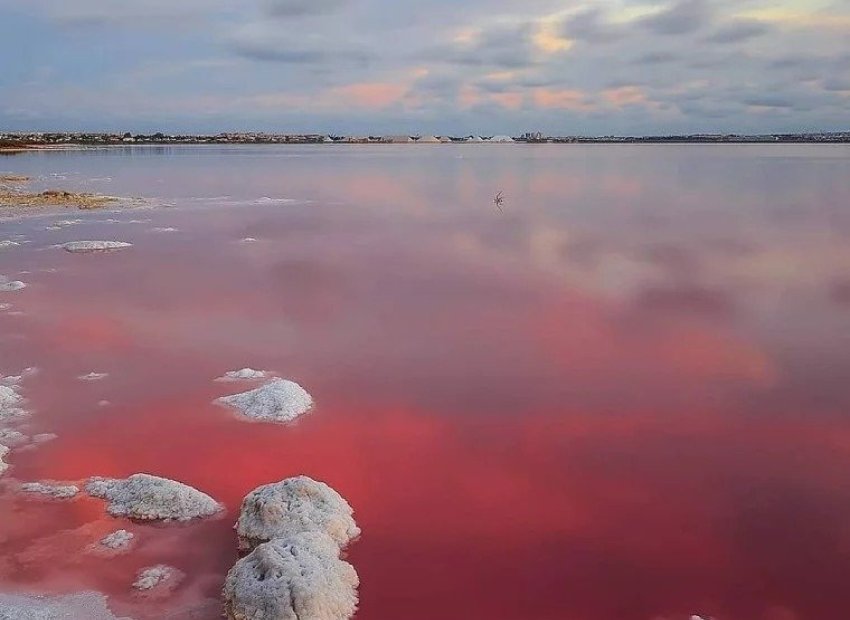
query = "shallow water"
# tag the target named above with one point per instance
(624, 397)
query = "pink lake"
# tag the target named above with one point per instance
(626, 397)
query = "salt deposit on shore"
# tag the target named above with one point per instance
(12, 438)
(8, 243)
(11, 403)
(145, 497)
(80, 247)
(279, 400)
(294, 506)
(83, 606)
(3, 464)
(245, 374)
(55, 491)
(297, 577)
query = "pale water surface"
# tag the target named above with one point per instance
(626, 397)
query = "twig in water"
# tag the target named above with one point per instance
(499, 200)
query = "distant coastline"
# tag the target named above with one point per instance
(18, 142)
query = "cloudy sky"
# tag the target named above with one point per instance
(435, 66)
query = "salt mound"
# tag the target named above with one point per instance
(8, 286)
(245, 374)
(145, 497)
(117, 540)
(3, 465)
(94, 246)
(56, 491)
(83, 606)
(279, 400)
(160, 577)
(294, 506)
(286, 579)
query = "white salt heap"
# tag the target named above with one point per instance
(8, 286)
(95, 246)
(245, 374)
(117, 540)
(297, 577)
(83, 606)
(279, 400)
(145, 497)
(294, 506)
(56, 491)
(93, 376)
(159, 576)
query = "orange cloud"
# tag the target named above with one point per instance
(371, 94)
(625, 95)
(566, 99)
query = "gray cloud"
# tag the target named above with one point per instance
(301, 8)
(592, 27)
(684, 17)
(739, 31)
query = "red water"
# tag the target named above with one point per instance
(624, 398)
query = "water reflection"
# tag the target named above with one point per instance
(624, 397)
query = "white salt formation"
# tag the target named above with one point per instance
(300, 577)
(95, 246)
(245, 374)
(294, 506)
(117, 540)
(56, 491)
(44, 437)
(159, 576)
(12, 438)
(145, 497)
(8, 286)
(11, 403)
(3, 465)
(8, 243)
(279, 400)
(93, 376)
(83, 606)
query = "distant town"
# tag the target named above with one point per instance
(28, 140)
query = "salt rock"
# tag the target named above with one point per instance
(117, 540)
(145, 497)
(83, 606)
(56, 491)
(94, 246)
(10, 403)
(279, 400)
(160, 577)
(245, 374)
(300, 577)
(3, 465)
(294, 506)
(8, 286)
